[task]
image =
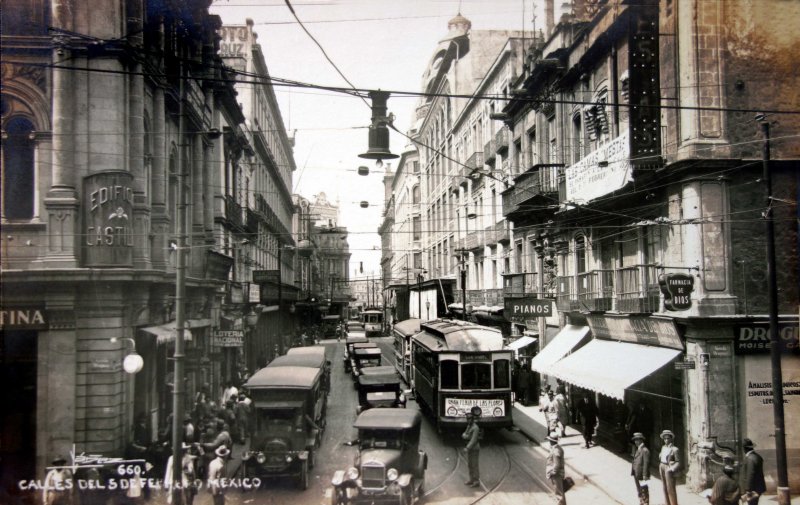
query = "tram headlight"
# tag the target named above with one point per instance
(392, 474)
(261, 458)
(246, 455)
(352, 473)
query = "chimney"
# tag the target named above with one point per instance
(549, 17)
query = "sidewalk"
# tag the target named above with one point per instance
(602, 468)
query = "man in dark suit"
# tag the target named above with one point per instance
(588, 410)
(753, 485)
(640, 469)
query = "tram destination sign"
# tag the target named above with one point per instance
(528, 307)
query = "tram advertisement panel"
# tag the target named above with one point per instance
(459, 407)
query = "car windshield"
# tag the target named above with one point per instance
(273, 419)
(381, 439)
(367, 362)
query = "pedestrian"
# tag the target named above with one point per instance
(669, 464)
(551, 412)
(725, 490)
(58, 483)
(216, 474)
(189, 432)
(562, 410)
(554, 468)
(188, 476)
(640, 469)
(228, 393)
(242, 411)
(753, 470)
(588, 412)
(640, 420)
(472, 435)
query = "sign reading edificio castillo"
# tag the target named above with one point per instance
(108, 219)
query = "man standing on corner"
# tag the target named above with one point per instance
(472, 435)
(753, 471)
(640, 469)
(216, 472)
(669, 464)
(554, 468)
(588, 411)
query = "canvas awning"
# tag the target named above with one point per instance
(610, 367)
(563, 343)
(167, 333)
(520, 343)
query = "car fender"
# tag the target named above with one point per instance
(338, 478)
(302, 455)
(404, 480)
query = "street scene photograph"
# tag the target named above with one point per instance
(407, 252)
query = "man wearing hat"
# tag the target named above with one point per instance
(216, 472)
(640, 469)
(472, 435)
(188, 475)
(725, 490)
(58, 483)
(554, 468)
(753, 470)
(669, 464)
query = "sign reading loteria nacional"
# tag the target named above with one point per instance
(587, 180)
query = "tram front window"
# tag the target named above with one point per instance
(502, 374)
(449, 379)
(476, 376)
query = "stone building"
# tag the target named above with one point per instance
(638, 208)
(111, 130)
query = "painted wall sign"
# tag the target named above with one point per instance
(108, 219)
(520, 309)
(677, 289)
(636, 329)
(754, 338)
(601, 172)
(23, 318)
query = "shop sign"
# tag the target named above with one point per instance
(526, 308)
(108, 220)
(754, 338)
(236, 293)
(23, 318)
(645, 330)
(253, 292)
(603, 171)
(686, 364)
(677, 289)
(227, 338)
(266, 276)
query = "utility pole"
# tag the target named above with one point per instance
(776, 350)
(180, 291)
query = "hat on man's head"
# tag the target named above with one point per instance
(475, 411)
(222, 451)
(667, 433)
(728, 469)
(59, 460)
(748, 443)
(638, 436)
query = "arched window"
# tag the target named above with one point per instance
(18, 169)
(415, 195)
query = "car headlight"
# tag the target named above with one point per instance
(261, 458)
(288, 459)
(246, 455)
(392, 474)
(352, 473)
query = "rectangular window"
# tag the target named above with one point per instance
(417, 227)
(533, 150)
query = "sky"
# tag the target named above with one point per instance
(376, 44)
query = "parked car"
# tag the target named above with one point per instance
(364, 357)
(289, 417)
(389, 466)
(331, 327)
(380, 390)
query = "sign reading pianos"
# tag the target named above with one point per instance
(108, 219)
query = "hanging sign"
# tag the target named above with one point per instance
(677, 290)
(227, 338)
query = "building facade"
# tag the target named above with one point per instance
(111, 134)
(637, 208)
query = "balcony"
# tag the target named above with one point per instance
(497, 233)
(473, 241)
(501, 140)
(520, 284)
(475, 161)
(637, 289)
(566, 299)
(233, 213)
(490, 151)
(538, 180)
(596, 290)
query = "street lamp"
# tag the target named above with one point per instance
(133, 362)
(467, 216)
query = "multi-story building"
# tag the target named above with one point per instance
(254, 212)
(333, 257)
(638, 207)
(110, 136)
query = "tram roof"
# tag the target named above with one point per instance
(408, 327)
(454, 335)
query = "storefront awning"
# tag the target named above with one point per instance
(609, 367)
(563, 343)
(167, 332)
(520, 343)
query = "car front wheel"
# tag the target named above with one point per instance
(339, 496)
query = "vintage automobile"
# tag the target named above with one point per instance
(307, 359)
(288, 420)
(364, 357)
(349, 342)
(331, 327)
(389, 467)
(380, 390)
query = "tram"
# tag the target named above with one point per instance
(372, 318)
(458, 365)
